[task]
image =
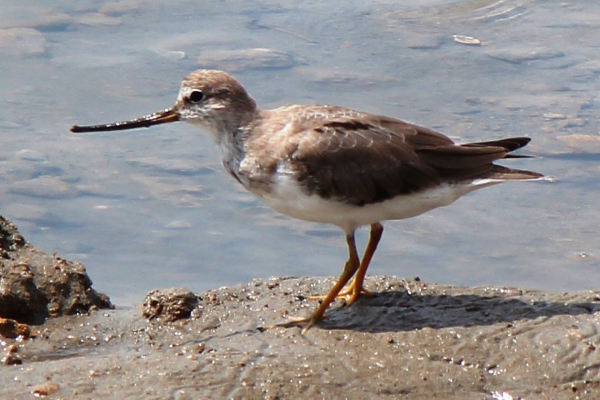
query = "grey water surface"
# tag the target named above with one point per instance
(153, 208)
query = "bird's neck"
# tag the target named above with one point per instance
(232, 140)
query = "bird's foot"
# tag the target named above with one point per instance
(349, 294)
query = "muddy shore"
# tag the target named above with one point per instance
(411, 340)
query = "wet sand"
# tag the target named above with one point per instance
(435, 342)
(411, 339)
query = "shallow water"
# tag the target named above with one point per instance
(153, 208)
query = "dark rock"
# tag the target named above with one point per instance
(9, 328)
(35, 285)
(169, 304)
(11, 359)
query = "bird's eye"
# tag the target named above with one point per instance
(196, 96)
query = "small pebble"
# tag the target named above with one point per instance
(45, 389)
(466, 40)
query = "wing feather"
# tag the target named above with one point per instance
(359, 163)
(359, 158)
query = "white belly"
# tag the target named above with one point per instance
(287, 198)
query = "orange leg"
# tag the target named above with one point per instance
(352, 292)
(352, 265)
(356, 287)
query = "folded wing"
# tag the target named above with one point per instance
(363, 161)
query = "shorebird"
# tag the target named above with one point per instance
(332, 164)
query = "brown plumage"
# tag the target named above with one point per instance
(359, 158)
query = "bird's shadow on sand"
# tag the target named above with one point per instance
(396, 311)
